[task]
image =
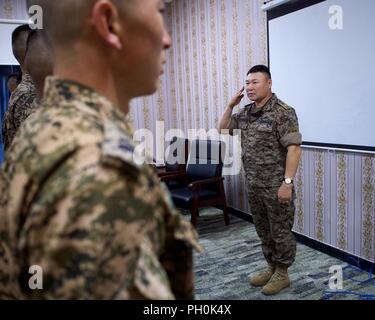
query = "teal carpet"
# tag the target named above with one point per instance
(233, 252)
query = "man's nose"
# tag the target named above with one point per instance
(167, 41)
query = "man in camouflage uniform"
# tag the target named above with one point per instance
(38, 61)
(22, 98)
(39, 64)
(271, 152)
(74, 202)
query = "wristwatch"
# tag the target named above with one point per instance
(288, 180)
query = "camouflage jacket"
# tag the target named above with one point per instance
(264, 140)
(20, 107)
(75, 203)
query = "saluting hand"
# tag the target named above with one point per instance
(237, 98)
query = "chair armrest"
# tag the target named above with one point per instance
(173, 176)
(196, 184)
(170, 173)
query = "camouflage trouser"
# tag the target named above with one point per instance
(273, 222)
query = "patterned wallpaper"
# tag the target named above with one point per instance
(336, 200)
(214, 44)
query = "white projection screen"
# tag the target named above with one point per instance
(6, 53)
(328, 75)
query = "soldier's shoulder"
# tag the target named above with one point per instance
(22, 99)
(61, 134)
(114, 145)
(117, 145)
(53, 134)
(24, 89)
(284, 107)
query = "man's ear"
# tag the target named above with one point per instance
(105, 18)
(270, 83)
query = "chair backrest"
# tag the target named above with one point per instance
(205, 160)
(178, 155)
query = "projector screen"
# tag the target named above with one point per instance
(6, 54)
(322, 60)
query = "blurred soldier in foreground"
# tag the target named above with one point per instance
(38, 60)
(75, 203)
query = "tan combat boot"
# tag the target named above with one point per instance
(278, 282)
(261, 278)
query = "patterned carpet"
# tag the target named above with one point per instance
(233, 252)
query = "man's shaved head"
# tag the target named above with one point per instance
(65, 20)
(19, 39)
(122, 40)
(39, 59)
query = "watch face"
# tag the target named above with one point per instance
(288, 180)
